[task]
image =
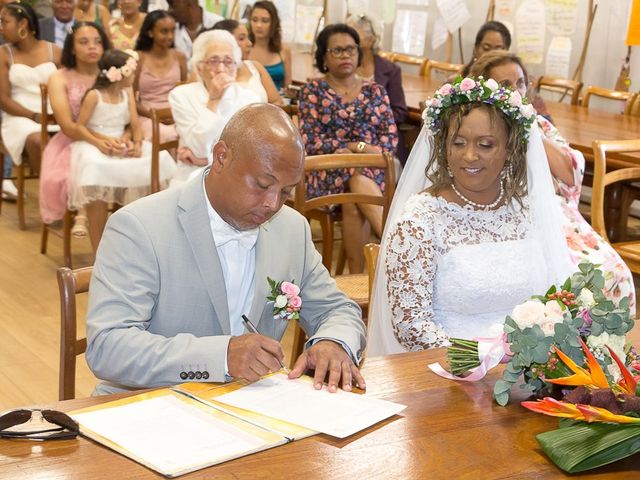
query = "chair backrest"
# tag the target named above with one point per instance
(293, 112)
(159, 116)
(447, 69)
(47, 118)
(601, 178)
(382, 161)
(609, 94)
(371, 252)
(420, 62)
(388, 55)
(564, 86)
(70, 283)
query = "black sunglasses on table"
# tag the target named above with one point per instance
(58, 425)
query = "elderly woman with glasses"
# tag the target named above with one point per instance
(343, 113)
(201, 109)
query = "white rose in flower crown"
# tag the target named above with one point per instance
(515, 99)
(491, 84)
(527, 110)
(585, 298)
(281, 301)
(528, 314)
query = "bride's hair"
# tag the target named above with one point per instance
(516, 165)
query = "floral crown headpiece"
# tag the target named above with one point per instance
(115, 74)
(468, 90)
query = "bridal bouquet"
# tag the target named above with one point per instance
(559, 320)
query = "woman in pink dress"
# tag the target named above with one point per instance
(82, 50)
(160, 69)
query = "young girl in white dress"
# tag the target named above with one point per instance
(115, 167)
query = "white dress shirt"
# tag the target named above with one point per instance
(237, 253)
(61, 30)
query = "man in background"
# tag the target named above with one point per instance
(54, 29)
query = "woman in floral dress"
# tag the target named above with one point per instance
(341, 113)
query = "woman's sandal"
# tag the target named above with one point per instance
(79, 229)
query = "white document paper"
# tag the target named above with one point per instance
(409, 32)
(530, 27)
(169, 433)
(440, 33)
(338, 414)
(558, 57)
(454, 13)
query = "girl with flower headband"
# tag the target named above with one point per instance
(474, 227)
(118, 171)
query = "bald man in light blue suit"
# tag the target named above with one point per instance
(160, 309)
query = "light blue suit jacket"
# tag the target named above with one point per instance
(157, 301)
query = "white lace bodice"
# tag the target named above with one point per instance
(454, 271)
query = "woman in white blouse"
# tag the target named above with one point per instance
(201, 109)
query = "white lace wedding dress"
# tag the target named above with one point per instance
(454, 272)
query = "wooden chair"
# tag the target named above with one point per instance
(21, 170)
(629, 251)
(70, 283)
(419, 62)
(447, 69)
(627, 97)
(323, 208)
(561, 85)
(159, 116)
(371, 253)
(388, 55)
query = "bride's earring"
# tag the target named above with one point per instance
(449, 172)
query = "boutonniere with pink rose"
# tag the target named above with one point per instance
(286, 299)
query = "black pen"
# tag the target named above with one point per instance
(252, 328)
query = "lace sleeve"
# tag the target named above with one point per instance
(410, 269)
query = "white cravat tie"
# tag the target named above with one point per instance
(237, 253)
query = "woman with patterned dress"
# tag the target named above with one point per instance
(341, 113)
(82, 51)
(124, 31)
(567, 168)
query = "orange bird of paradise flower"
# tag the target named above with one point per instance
(592, 378)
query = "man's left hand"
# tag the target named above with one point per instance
(329, 357)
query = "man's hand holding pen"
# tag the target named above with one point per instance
(251, 356)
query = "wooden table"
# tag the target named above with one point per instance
(448, 430)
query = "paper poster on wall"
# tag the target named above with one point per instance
(412, 3)
(440, 33)
(287, 14)
(307, 18)
(409, 32)
(358, 6)
(504, 10)
(561, 16)
(558, 57)
(530, 27)
(454, 13)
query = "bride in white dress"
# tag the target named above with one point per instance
(476, 236)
